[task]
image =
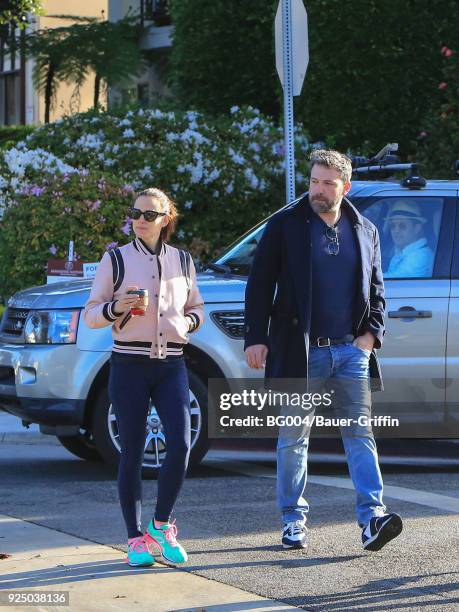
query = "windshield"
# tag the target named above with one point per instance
(239, 255)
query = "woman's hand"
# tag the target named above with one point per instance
(126, 301)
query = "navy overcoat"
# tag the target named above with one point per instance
(279, 289)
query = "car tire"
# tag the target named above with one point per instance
(104, 428)
(81, 446)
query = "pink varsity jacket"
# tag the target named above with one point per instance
(175, 305)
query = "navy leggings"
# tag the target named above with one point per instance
(133, 380)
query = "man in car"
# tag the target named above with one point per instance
(315, 312)
(412, 258)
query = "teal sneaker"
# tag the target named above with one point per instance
(138, 553)
(164, 539)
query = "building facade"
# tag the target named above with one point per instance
(157, 38)
(20, 103)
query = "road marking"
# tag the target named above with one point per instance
(414, 496)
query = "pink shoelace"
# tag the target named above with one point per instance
(138, 544)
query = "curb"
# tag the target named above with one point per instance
(29, 437)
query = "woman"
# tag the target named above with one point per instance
(147, 361)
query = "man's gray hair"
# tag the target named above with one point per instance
(333, 159)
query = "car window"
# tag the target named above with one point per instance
(409, 228)
(239, 257)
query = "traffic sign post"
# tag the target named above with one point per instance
(292, 57)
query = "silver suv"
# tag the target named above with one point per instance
(54, 370)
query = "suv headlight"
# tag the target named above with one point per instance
(230, 321)
(51, 326)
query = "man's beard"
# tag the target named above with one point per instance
(324, 205)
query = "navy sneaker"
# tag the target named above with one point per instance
(294, 535)
(381, 530)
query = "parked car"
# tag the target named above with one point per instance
(54, 370)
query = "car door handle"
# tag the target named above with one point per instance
(410, 314)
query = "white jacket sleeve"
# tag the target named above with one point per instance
(194, 307)
(98, 311)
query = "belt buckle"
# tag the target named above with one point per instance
(323, 341)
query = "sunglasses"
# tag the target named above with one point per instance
(333, 243)
(148, 215)
(402, 225)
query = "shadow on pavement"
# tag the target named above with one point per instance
(75, 572)
(378, 591)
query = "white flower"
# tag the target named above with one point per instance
(300, 178)
(147, 126)
(146, 172)
(234, 109)
(196, 173)
(216, 194)
(237, 159)
(190, 135)
(156, 114)
(181, 234)
(37, 159)
(250, 176)
(128, 133)
(213, 176)
(90, 141)
(188, 204)
(171, 137)
(124, 122)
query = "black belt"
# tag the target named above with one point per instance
(322, 341)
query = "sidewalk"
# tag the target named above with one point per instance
(98, 579)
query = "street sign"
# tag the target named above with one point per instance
(298, 25)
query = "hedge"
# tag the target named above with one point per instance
(372, 73)
(225, 175)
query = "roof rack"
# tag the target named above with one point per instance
(385, 164)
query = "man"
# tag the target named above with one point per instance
(413, 258)
(319, 262)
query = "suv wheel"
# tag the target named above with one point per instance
(106, 437)
(81, 445)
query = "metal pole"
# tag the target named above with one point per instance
(289, 142)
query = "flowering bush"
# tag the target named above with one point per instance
(38, 226)
(225, 174)
(438, 142)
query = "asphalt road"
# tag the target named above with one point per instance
(228, 520)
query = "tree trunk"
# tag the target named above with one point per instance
(96, 90)
(49, 90)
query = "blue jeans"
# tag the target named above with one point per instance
(344, 370)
